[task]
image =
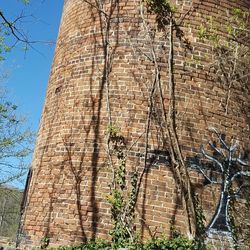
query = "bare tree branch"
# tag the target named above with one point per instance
(209, 157)
(240, 173)
(205, 175)
(216, 149)
(214, 130)
(241, 162)
(236, 194)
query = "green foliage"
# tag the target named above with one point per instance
(10, 200)
(98, 244)
(4, 48)
(230, 51)
(132, 196)
(200, 218)
(112, 131)
(44, 242)
(116, 198)
(122, 211)
(95, 245)
(202, 32)
(15, 143)
(236, 26)
(163, 9)
(178, 243)
(160, 7)
(7, 28)
(209, 32)
(122, 196)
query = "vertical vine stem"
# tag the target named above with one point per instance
(150, 108)
(181, 166)
(105, 18)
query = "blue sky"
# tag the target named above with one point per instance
(28, 72)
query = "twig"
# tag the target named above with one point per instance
(240, 173)
(214, 130)
(216, 149)
(209, 157)
(205, 175)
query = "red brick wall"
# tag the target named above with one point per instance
(71, 177)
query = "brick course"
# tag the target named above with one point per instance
(66, 200)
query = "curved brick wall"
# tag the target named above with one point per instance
(66, 200)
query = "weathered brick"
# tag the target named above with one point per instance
(66, 200)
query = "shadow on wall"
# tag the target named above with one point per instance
(71, 164)
(76, 159)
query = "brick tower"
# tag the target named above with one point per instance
(110, 68)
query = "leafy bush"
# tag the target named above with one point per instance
(178, 243)
(93, 245)
(10, 200)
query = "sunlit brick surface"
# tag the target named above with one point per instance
(67, 194)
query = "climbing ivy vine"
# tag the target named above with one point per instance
(230, 60)
(231, 52)
(122, 196)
